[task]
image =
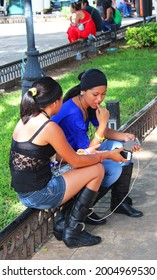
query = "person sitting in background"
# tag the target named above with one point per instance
(80, 108)
(82, 26)
(125, 6)
(35, 140)
(94, 14)
(111, 16)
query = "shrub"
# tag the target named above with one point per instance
(143, 36)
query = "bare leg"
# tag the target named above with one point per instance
(76, 179)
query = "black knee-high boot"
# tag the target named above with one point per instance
(120, 189)
(93, 218)
(59, 220)
(74, 235)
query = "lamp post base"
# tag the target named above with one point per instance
(32, 72)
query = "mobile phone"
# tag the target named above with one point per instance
(130, 144)
(126, 154)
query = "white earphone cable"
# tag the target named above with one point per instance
(131, 187)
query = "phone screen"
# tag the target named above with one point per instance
(130, 144)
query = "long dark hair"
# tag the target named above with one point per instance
(76, 5)
(106, 5)
(74, 92)
(44, 92)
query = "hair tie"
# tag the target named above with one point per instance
(33, 91)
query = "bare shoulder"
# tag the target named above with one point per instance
(80, 14)
(53, 126)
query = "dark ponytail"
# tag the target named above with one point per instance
(106, 5)
(28, 108)
(44, 92)
(72, 93)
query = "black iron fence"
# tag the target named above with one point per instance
(11, 74)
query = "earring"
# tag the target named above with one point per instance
(81, 93)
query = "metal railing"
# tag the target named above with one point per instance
(25, 235)
(11, 74)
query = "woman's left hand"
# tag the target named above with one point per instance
(92, 149)
(128, 137)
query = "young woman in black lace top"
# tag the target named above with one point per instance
(35, 140)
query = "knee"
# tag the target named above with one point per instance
(100, 170)
(117, 170)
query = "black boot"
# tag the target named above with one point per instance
(74, 235)
(59, 220)
(93, 218)
(119, 190)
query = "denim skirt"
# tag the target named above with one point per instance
(50, 196)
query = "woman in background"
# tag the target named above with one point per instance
(82, 25)
(111, 16)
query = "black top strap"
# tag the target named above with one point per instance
(38, 131)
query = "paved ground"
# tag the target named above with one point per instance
(48, 35)
(123, 238)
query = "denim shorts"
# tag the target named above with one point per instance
(48, 197)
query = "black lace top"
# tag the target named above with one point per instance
(30, 164)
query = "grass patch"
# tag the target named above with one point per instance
(132, 79)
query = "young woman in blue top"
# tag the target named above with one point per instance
(82, 106)
(35, 140)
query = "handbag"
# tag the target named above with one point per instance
(81, 26)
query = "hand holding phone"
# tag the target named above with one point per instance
(129, 145)
(126, 154)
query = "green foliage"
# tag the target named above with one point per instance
(9, 115)
(143, 36)
(66, 12)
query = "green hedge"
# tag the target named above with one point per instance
(143, 36)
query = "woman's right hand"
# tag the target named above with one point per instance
(102, 115)
(113, 155)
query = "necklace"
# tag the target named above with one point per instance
(86, 113)
(45, 114)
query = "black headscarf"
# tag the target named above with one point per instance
(92, 78)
